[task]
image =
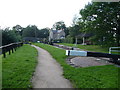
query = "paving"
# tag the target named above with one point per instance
(48, 73)
(88, 61)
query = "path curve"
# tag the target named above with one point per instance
(48, 73)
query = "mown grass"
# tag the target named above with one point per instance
(18, 68)
(88, 77)
(94, 48)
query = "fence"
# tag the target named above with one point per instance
(110, 49)
(10, 47)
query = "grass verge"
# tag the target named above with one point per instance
(18, 68)
(88, 77)
(94, 48)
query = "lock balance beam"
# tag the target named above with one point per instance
(92, 54)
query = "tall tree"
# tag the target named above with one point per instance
(30, 31)
(74, 30)
(43, 33)
(61, 26)
(9, 36)
(18, 29)
(102, 19)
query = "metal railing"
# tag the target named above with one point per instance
(110, 49)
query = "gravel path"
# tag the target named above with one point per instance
(48, 72)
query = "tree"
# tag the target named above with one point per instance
(102, 19)
(9, 36)
(75, 20)
(61, 26)
(30, 31)
(18, 29)
(68, 39)
(74, 30)
(43, 33)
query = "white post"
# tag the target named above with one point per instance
(110, 50)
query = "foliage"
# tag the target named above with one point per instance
(18, 29)
(103, 20)
(33, 31)
(43, 33)
(18, 68)
(30, 31)
(60, 25)
(9, 36)
(68, 39)
(17, 33)
(89, 77)
(74, 31)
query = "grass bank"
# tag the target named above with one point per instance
(94, 48)
(88, 77)
(17, 68)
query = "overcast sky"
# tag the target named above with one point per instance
(42, 13)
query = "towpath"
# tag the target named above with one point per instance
(48, 73)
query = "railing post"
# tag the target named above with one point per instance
(10, 47)
(9, 52)
(4, 55)
(14, 46)
(12, 50)
(4, 51)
